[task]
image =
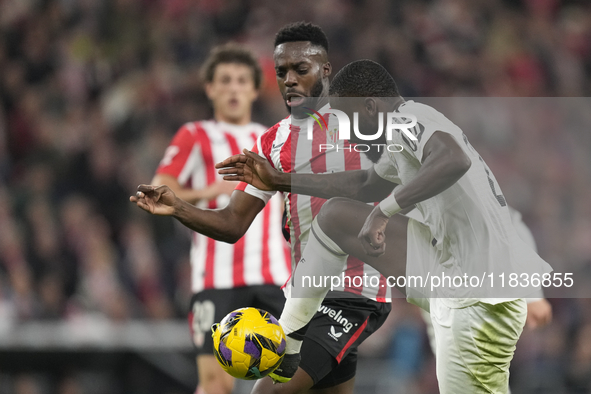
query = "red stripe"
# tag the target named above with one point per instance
(318, 163)
(183, 141)
(242, 185)
(352, 340)
(352, 158)
(381, 296)
(210, 177)
(295, 221)
(267, 140)
(318, 160)
(190, 319)
(238, 258)
(287, 154)
(287, 158)
(355, 267)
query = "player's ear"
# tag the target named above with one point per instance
(209, 90)
(326, 69)
(370, 105)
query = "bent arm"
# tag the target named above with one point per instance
(191, 195)
(444, 163)
(228, 224)
(360, 185)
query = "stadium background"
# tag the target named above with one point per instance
(93, 292)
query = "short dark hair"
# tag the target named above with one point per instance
(363, 78)
(302, 31)
(231, 53)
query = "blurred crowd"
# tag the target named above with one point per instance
(92, 91)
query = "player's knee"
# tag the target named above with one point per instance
(213, 383)
(280, 388)
(331, 211)
(217, 386)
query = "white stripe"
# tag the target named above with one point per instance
(198, 252)
(276, 245)
(253, 248)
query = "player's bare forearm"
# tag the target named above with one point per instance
(228, 224)
(191, 195)
(361, 185)
(444, 164)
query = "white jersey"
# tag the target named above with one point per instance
(261, 256)
(469, 222)
(287, 148)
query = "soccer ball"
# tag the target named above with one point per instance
(248, 343)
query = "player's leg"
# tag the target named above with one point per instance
(207, 307)
(334, 236)
(475, 345)
(341, 220)
(329, 351)
(212, 378)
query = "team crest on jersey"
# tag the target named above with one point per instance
(331, 135)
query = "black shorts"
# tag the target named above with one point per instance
(212, 305)
(329, 350)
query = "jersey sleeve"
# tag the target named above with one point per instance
(249, 189)
(386, 169)
(176, 158)
(428, 122)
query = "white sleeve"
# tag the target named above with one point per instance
(429, 121)
(386, 169)
(253, 191)
(262, 194)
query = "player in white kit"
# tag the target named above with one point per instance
(467, 231)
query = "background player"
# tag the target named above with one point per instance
(327, 364)
(225, 276)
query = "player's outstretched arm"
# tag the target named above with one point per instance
(228, 224)
(444, 163)
(361, 185)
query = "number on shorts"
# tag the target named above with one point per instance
(203, 318)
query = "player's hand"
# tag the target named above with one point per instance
(539, 313)
(287, 369)
(373, 233)
(158, 200)
(250, 168)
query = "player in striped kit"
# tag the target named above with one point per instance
(329, 351)
(225, 276)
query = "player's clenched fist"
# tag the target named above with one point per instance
(373, 233)
(158, 200)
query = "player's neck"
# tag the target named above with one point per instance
(241, 121)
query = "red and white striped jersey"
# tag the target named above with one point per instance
(287, 148)
(261, 256)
